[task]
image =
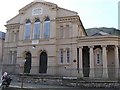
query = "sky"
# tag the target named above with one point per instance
(93, 13)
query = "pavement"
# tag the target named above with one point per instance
(33, 85)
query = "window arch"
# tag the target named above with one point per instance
(47, 27)
(27, 29)
(36, 29)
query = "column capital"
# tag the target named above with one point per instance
(80, 47)
(91, 46)
(13, 51)
(104, 46)
(117, 46)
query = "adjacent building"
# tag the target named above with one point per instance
(2, 39)
(47, 39)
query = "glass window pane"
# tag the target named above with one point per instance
(47, 29)
(68, 56)
(61, 56)
(27, 31)
(37, 30)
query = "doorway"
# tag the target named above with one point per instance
(27, 64)
(86, 61)
(43, 62)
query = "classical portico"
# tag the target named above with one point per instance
(103, 56)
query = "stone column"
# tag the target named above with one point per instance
(91, 75)
(80, 61)
(104, 57)
(116, 61)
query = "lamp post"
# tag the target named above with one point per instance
(23, 73)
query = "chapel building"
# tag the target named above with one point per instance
(47, 39)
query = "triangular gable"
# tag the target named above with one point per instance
(36, 2)
(22, 10)
(14, 19)
(68, 10)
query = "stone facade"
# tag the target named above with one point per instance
(46, 39)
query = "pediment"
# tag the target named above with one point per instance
(14, 19)
(28, 8)
(51, 5)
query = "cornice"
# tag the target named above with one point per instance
(13, 18)
(68, 19)
(13, 26)
(51, 5)
(68, 10)
(98, 38)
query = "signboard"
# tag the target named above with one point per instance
(35, 41)
(37, 11)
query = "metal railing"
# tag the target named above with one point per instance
(113, 73)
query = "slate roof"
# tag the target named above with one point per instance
(102, 31)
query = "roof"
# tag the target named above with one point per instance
(102, 31)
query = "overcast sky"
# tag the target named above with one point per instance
(93, 13)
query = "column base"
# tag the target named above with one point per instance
(91, 75)
(116, 73)
(81, 73)
(105, 73)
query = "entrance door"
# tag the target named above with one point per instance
(86, 62)
(27, 64)
(43, 63)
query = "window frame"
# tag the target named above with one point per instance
(68, 55)
(98, 56)
(36, 35)
(47, 29)
(26, 35)
(61, 54)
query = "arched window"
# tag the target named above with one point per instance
(36, 29)
(27, 30)
(47, 27)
